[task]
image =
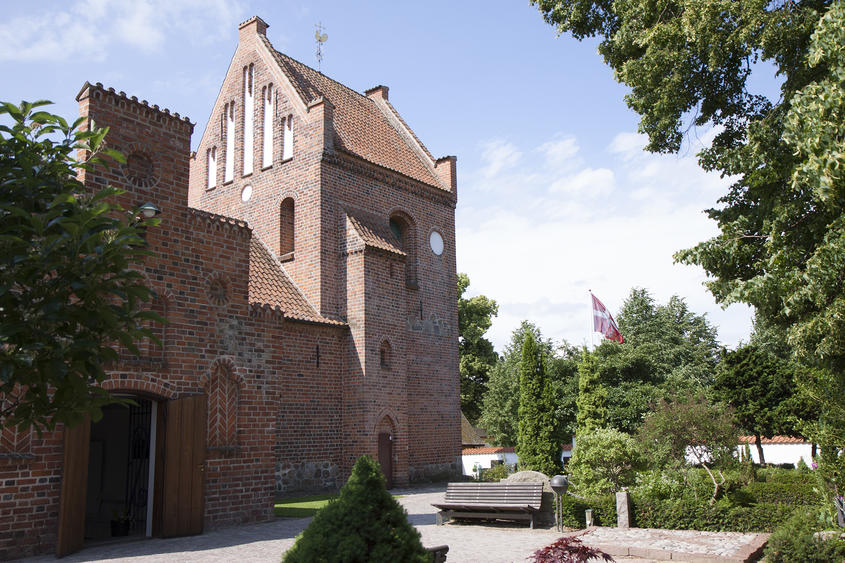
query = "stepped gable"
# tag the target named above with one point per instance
(268, 284)
(373, 232)
(361, 128)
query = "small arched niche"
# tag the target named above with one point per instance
(287, 220)
(403, 229)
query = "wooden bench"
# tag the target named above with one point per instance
(492, 501)
(438, 553)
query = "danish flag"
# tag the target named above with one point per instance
(603, 321)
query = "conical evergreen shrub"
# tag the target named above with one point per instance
(364, 524)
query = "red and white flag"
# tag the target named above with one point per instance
(603, 321)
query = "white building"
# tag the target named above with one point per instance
(777, 449)
(486, 457)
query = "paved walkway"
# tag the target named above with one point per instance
(468, 543)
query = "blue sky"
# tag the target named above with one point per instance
(555, 195)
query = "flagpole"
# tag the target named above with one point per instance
(591, 322)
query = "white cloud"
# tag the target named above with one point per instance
(91, 28)
(589, 181)
(628, 144)
(561, 151)
(498, 155)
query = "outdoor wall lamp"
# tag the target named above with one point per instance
(148, 210)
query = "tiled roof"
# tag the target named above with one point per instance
(773, 440)
(475, 451)
(374, 232)
(360, 126)
(269, 284)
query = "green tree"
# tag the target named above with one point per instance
(536, 445)
(500, 407)
(68, 297)
(592, 396)
(603, 461)
(365, 523)
(760, 388)
(781, 246)
(691, 426)
(475, 316)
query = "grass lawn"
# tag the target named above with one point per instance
(303, 507)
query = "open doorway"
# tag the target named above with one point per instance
(119, 492)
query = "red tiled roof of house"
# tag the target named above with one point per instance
(373, 232)
(361, 127)
(500, 450)
(773, 440)
(268, 283)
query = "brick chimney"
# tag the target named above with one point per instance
(253, 26)
(446, 169)
(377, 92)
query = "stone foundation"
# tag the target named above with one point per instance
(433, 472)
(306, 476)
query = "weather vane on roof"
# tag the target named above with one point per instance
(321, 38)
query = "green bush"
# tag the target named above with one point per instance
(603, 461)
(495, 473)
(364, 524)
(604, 511)
(795, 541)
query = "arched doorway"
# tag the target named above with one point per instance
(157, 453)
(386, 438)
(121, 457)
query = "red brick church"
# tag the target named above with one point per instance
(305, 262)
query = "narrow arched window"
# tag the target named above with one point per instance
(249, 118)
(287, 138)
(211, 157)
(267, 133)
(229, 116)
(287, 221)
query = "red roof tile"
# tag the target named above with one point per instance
(773, 440)
(269, 284)
(361, 127)
(475, 451)
(374, 232)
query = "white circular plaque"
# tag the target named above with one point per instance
(436, 242)
(246, 193)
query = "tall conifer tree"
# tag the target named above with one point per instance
(536, 446)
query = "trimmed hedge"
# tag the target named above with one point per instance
(691, 514)
(760, 506)
(604, 511)
(795, 493)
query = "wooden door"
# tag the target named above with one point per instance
(184, 467)
(385, 457)
(74, 489)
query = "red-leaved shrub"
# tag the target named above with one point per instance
(568, 550)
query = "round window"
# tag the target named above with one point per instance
(246, 193)
(435, 239)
